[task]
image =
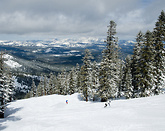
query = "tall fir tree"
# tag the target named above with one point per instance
(55, 83)
(95, 81)
(63, 88)
(58, 90)
(78, 78)
(33, 89)
(46, 88)
(62, 85)
(159, 39)
(109, 68)
(147, 65)
(41, 86)
(127, 79)
(121, 75)
(86, 74)
(51, 83)
(5, 88)
(11, 86)
(136, 66)
(71, 82)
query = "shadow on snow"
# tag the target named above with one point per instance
(8, 117)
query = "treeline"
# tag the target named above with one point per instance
(140, 75)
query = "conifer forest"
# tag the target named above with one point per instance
(141, 74)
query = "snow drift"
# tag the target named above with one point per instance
(51, 113)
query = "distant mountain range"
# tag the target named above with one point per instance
(44, 56)
(65, 42)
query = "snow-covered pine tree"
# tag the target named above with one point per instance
(55, 83)
(86, 74)
(127, 79)
(46, 88)
(110, 64)
(159, 40)
(71, 82)
(77, 78)
(147, 65)
(38, 93)
(11, 86)
(62, 83)
(95, 80)
(4, 87)
(121, 70)
(40, 88)
(136, 66)
(51, 83)
(33, 89)
(2, 99)
(63, 89)
(95, 75)
(58, 89)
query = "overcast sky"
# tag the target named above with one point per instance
(42, 19)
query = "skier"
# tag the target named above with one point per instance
(109, 102)
(105, 105)
(66, 101)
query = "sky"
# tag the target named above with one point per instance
(48, 19)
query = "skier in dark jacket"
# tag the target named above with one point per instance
(105, 105)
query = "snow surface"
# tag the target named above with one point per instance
(51, 113)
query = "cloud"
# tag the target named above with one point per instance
(73, 17)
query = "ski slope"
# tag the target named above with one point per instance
(51, 113)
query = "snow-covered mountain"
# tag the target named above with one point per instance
(51, 113)
(58, 42)
(62, 42)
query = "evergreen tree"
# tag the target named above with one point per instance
(55, 83)
(121, 75)
(136, 65)
(95, 81)
(62, 83)
(46, 88)
(78, 78)
(159, 39)
(110, 64)
(86, 74)
(51, 83)
(41, 86)
(11, 86)
(33, 89)
(4, 86)
(71, 82)
(147, 65)
(2, 96)
(59, 83)
(127, 79)
(63, 88)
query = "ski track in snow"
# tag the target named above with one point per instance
(51, 113)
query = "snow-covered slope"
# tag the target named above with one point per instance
(9, 60)
(51, 113)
